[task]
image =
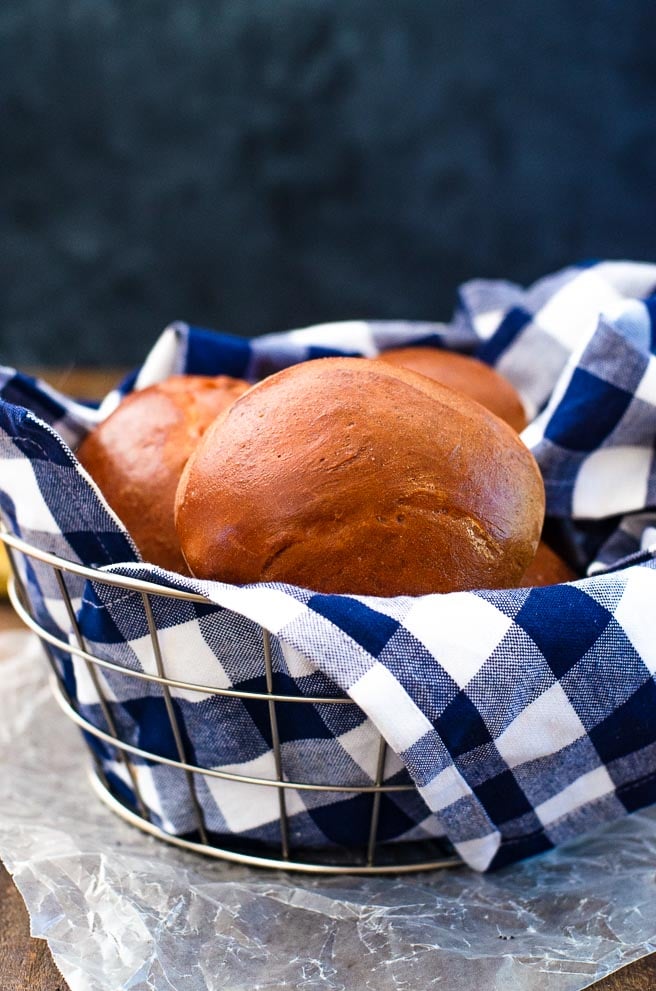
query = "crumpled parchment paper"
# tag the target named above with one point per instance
(121, 910)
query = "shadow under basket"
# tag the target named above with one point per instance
(67, 644)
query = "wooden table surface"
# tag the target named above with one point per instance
(26, 963)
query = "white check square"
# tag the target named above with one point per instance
(386, 702)
(461, 630)
(180, 644)
(636, 604)
(620, 473)
(593, 785)
(544, 727)
(247, 806)
(571, 314)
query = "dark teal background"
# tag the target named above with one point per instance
(259, 164)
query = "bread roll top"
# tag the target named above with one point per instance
(344, 475)
(137, 454)
(465, 374)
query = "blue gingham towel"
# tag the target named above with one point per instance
(524, 717)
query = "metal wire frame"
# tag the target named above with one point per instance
(375, 859)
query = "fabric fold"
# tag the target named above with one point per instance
(516, 719)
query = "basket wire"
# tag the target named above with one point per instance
(377, 858)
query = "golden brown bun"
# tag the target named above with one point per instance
(468, 375)
(547, 568)
(137, 454)
(344, 475)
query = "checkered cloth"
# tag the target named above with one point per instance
(524, 717)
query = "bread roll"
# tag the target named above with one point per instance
(468, 375)
(137, 454)
(344, 475)
(547, 568)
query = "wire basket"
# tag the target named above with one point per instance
(375, 858)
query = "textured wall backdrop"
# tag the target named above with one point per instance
(265, 164)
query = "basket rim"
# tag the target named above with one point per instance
(97, 574)
(70, 648)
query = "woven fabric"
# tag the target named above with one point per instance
(523, 717)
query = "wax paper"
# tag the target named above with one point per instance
(121, 910)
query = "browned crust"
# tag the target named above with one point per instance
(345, 475)
(547, 568)
(137, 454)
(465, 374)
